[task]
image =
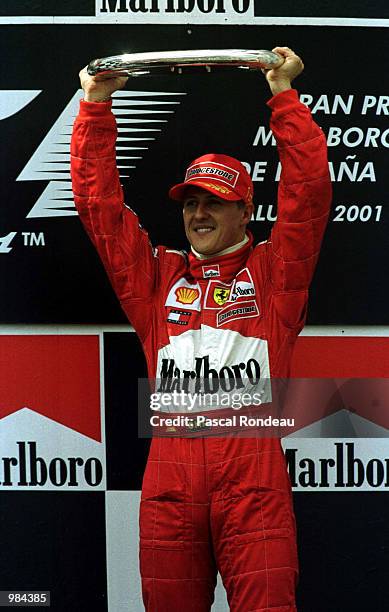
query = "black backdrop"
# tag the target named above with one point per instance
(220, 112)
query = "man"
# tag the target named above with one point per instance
(213, 503)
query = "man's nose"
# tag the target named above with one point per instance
(201, 210)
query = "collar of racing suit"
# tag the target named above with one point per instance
(227, 264)
(230, 249)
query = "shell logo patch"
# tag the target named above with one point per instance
(221, 295)
(183, 293)
(186, 295)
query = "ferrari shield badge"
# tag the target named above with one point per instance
(221, 295)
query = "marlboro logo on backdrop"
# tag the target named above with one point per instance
(57, 376)
(50, 413)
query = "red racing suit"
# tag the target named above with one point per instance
(216, 503)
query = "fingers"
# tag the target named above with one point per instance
(100, 88)
(119, 77)
(280, 77)
(288, 54)
(284, 51)
(293, 64)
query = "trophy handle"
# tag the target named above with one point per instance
(143, 64)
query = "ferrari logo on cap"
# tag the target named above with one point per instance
(221, 295)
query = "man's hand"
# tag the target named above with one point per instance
(280, 79)
(98, 89)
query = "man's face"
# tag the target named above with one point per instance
(211, 223)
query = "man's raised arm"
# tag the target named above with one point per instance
(113, 228)
(304, 192)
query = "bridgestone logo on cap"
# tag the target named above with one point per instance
(221, 172)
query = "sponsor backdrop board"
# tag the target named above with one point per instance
(51, 273)
(71, 461)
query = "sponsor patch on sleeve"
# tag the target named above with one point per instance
(178, 317)
(184, 295)
(243, 310)
(221, 295)
(243, 286)
(217, 294)
(211, 271)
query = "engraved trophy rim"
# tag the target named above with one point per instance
(143, 64)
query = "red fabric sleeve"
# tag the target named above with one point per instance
(114, 229)
(304, 198)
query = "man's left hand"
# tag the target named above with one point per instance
(280, 79)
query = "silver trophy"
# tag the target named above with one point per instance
(144, 64)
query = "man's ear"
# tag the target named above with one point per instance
(248, 212)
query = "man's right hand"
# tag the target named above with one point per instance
(98, 89)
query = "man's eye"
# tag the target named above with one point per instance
(189, 204)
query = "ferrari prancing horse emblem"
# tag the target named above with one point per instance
(221, 295)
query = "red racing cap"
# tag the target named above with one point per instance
(222, 175)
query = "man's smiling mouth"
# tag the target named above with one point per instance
(204, 230)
